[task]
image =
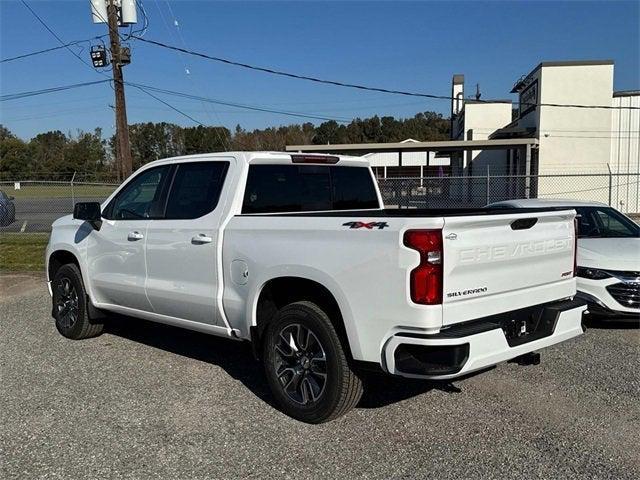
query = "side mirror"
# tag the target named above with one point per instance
(89, 212)
(12, 198)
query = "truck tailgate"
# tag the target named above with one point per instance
(498, 263)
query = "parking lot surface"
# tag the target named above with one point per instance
(37, 214)
(151, 401)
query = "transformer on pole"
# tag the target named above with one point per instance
(127, 11)
(116, 13)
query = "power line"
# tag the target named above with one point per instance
(296, 76)
(54, 34)
(33, 93)
(293, 75)
(47, 50)
(147, 89)
(288, 74)
(167, 104)
(239, 105)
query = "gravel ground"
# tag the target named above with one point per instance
(150, 401)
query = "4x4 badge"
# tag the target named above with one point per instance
(367, 225)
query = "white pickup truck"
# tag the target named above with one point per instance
(296, 254)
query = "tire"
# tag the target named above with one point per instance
(70, 309)
(294, 366)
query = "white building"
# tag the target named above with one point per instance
(571, 139)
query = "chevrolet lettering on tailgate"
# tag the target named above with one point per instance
(524, 249)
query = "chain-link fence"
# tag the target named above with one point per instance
(33, 205)
(36, 204)
(618, 190)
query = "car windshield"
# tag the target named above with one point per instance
(3, 196)
(604, 222)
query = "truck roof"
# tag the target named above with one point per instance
(249, 157)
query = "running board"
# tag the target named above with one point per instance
(173, 321)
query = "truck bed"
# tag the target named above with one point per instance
(417, 212)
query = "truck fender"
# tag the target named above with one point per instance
(314, 275)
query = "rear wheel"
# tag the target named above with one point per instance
(306, 365)
(70, 309)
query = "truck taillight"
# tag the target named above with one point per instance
(575, 247)
(426, 278)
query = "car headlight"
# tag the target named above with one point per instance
(592, 273)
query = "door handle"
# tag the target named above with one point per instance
(201, 238)
(135, 235)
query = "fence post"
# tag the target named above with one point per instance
(73, 197)
(488, 186)
(610, 182)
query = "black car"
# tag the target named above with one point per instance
(7, 210)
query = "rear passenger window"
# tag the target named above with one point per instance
(353, 189)
(286, 188)
(307, 188)
(196, 189)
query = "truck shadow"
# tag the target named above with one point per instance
(611, 323)
(233, 357)
(236, 359)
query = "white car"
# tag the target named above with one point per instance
(296, 255)
(608, 256)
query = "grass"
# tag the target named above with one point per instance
(22, 252)
(59, 191)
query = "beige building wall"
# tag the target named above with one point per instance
(480, 121)
(574, 140)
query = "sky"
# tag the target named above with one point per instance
(413, 46)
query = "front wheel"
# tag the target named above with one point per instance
(306, 365)
(70, 309)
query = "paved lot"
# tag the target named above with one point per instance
(150, 401)
(37, 214)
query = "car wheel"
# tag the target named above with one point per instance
(70, 309)
(306, 365)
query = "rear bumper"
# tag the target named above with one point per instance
(475, 345)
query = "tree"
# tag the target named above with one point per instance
(54, 153)
(47, 151)
(14, 157)
(203, 139)
(152, 141)
(328, 132)
(5, 133)
(85, 154)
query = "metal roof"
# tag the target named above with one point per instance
(472, 101)
(452, 145)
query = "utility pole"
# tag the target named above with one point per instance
(123, 152)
